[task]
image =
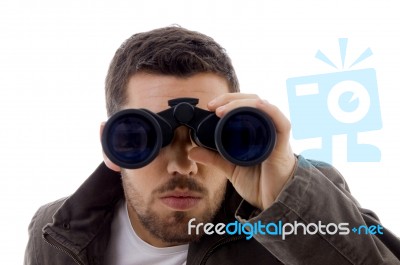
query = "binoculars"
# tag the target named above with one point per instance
(132, 138)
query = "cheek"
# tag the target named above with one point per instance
(216, 185)
(138, 183)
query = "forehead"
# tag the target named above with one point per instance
(152, 91)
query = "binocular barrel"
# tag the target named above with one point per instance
(132, 138)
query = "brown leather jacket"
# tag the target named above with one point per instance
(76, 230)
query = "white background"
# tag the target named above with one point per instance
(54, 56)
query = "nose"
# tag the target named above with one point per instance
(177, 154)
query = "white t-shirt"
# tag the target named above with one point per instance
(127, 248)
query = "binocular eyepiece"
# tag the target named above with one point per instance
(132, 138)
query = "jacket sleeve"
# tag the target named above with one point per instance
(30, 257)
(315, 220)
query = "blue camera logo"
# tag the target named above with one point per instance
(345, 102)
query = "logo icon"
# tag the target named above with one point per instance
(344, 102)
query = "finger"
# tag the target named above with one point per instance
(210, 158)
(281, 122)
(228, 97)
(224, 109)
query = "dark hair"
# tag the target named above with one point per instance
(170, 51)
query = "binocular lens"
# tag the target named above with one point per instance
(132, 140)
(246, 137)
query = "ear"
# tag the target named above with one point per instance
(107, 161)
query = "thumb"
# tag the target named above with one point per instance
(211, 158)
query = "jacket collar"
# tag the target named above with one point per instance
(87, 211)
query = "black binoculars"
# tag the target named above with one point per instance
(132, 138)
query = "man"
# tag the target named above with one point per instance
(158, 213)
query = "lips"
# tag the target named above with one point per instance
(181, 201)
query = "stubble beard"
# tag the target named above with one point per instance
(173, 228)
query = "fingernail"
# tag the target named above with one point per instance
(263, 101)
(220, 109)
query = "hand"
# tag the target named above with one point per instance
(261, 184)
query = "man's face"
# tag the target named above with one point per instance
(172, 189)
